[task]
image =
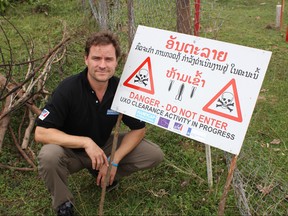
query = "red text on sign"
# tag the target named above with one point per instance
(187, 113)
(213, 122)
(190, 48)
(171, 108)
(144, 99)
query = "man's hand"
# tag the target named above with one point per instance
(96, 154)
(102, 176)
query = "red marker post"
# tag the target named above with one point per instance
(197, 18)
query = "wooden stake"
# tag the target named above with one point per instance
(114, 145)
(227, 185)
(281, 14)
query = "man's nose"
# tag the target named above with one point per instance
(102, 64)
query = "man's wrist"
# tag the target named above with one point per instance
(113, 163)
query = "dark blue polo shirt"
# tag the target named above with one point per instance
(75, 109)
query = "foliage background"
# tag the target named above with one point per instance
(178, 186)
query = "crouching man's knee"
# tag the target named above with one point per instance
(50, 156)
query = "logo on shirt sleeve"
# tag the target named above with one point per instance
(44, 114)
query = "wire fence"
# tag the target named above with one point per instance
(259, 181)
(258, 184)
(123, 17)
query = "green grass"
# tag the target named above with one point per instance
(179, 185)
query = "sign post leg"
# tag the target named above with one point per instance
(209, 165)
(227, 185)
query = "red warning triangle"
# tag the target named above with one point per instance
(224, 103)
(142, 79)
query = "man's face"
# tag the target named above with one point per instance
(101, 63)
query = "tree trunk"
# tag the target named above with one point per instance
(28, 130)
(184, 21)
(5, 121)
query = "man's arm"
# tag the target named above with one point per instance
(55, 136)
(129, 142)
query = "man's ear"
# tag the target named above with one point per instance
(85, 59)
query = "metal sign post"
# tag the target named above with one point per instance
(209, 166)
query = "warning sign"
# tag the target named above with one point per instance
(196, 87)
(226, 103)
(142, 78)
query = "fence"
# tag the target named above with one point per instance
(124, 16)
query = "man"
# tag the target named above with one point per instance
(75, 127)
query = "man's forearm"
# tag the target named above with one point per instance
(55, 136)
(129, 142)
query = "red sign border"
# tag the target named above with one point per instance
(149, 91)
(215, 112)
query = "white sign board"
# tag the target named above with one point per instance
(199, 88)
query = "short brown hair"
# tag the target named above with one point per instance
(103, 38)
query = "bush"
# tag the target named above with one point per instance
(3, 6)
